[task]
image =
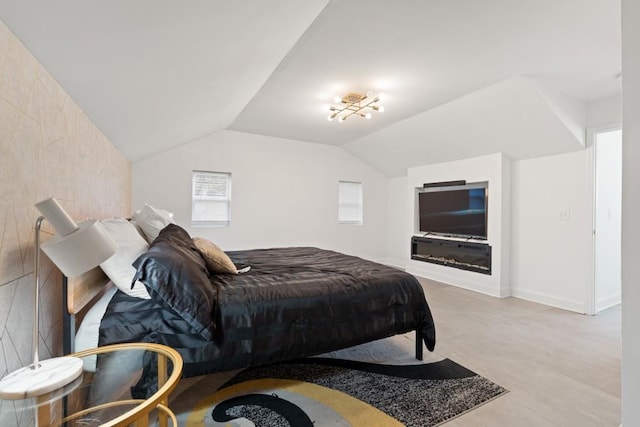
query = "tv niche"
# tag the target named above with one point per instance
(453, 224)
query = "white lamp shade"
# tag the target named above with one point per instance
(58, 217)
(80, 250)
(75, 249)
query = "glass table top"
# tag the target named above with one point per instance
(118, 385)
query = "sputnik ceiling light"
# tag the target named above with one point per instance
(355, 103)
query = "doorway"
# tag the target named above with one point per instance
(607, 219)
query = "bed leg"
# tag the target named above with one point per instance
(418, 345)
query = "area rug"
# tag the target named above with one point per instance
(318, 392)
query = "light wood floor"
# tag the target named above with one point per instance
(561, 368)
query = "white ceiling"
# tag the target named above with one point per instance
(153, 74)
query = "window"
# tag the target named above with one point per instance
(349, 202)
(210, 198)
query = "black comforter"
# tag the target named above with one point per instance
(294, 302)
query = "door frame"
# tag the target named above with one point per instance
(590, 140)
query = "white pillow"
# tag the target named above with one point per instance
(130, 246)
(152, 220)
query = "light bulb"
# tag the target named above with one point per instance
(341, 119)
(380, 109)
(381, 97)
(337, 99)
(367, 116)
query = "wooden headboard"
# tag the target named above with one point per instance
(77, 293)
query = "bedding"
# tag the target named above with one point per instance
(130, 245)
(217, 261)
(175, 274)
(89, 330)
(151, 221)
(294, 302)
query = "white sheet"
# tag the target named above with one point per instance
(88, 332)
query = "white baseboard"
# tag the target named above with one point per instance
(565, 304)
(397, 263)
(609, 302)
(460, 278)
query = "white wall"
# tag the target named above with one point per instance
(630, 209)
(551, 242)
(604, 112)
(511, 117)
(571, 112)
(284, 193)
(398, 230)
(496, 169)
(48, 147)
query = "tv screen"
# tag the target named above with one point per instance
(460, 212)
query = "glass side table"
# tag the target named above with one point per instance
(121, 384)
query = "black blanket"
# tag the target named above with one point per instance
(294, 302)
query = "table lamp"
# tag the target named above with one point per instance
(75, 249)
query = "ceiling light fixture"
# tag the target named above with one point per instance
(355, 103)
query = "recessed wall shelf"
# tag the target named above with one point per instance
(464, 255)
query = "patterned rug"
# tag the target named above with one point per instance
(318, 392)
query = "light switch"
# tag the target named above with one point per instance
(564, 215)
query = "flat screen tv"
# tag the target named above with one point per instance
(455, 212)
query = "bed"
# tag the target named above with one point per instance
(292, 303)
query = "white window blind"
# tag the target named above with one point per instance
(350, 202)
(211, 198)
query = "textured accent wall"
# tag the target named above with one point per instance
(48, 147)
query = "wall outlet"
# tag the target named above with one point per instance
(564, 214)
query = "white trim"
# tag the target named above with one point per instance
(590, 285)
(591, 132)
(590, 306)
(396, 262)
(609, 302)
(565, 304)
(455, 277)
(224, 201)
(359, 205)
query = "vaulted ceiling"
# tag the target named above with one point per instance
(460, 77)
